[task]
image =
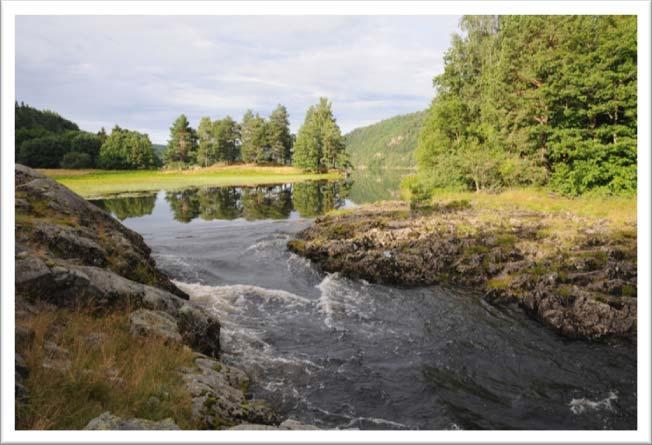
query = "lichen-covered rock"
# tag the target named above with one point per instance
(584, 287)
(219, 396)
(108, 421)
(53, 223)
(73, 286)
(199, 329)
(146, 322)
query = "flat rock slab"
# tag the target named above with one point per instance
(108, 421)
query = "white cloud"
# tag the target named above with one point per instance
(142, 72)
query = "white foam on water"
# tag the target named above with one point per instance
(266, 244)
(375, 421)
(243, 335)
(340, 300)
(579, 406)
(238, 294)
(299, 262)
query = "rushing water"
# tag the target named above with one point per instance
(343, 353)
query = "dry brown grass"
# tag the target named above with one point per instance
(106, 369)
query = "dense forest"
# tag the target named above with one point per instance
(534, 100)
(387, 144)
(46, 140)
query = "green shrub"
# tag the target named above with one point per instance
(75, 159)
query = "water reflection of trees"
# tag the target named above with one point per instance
(376, 185)
(227, 203)
(128, 206)
(316, 198)
(267, 202)
(184, 204)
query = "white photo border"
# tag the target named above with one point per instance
(10, 10)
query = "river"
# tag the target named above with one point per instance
(341, 353)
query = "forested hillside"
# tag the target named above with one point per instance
(46, 140)
(388, 143)
(535, 100)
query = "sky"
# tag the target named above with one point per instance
(142, 72)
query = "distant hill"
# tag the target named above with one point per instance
(45, 120)
(388, 143)
(159, 149)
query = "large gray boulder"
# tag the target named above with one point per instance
(73, 286)
(54, 223)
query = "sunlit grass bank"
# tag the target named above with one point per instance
(97, 183)
(618, 210)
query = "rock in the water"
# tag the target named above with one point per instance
(107, 421)
(147, 322)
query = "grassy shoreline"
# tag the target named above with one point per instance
(99, 183)
(617, 210)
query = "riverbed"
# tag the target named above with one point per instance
(341, 353)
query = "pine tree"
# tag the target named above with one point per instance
(319, 144)
(206, 148)
(279, 137)
(182, 146)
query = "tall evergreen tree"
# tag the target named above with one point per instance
(279, 137)
(207, 146)
(319, 144)
(227, 134)
(182, 146)
(254, 138)
(248, 146)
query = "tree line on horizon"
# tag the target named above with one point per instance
(318, 145)
(534, 101)
(46, 140)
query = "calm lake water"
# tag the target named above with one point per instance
(343, 353)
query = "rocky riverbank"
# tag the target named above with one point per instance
(576, 275)
(103, 338)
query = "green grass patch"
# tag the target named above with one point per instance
(101, 183)
(628, 291)
(108, 370)
(502, 282)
